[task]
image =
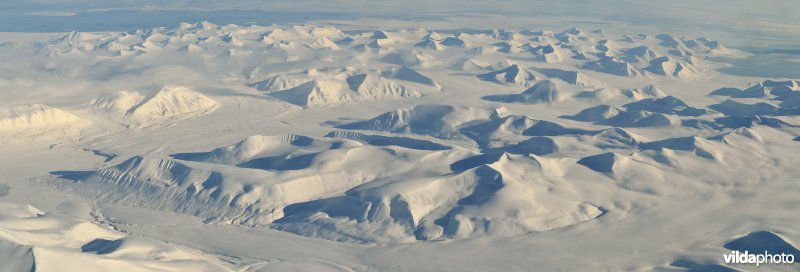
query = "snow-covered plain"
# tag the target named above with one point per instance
(466, 143)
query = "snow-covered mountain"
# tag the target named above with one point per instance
(171, 103)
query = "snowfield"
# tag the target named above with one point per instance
(336, 147)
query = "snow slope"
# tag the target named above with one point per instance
(339, 90)
(35, 116)
(384, 202)
(168, 104)
(32, 240)
(38, 122)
